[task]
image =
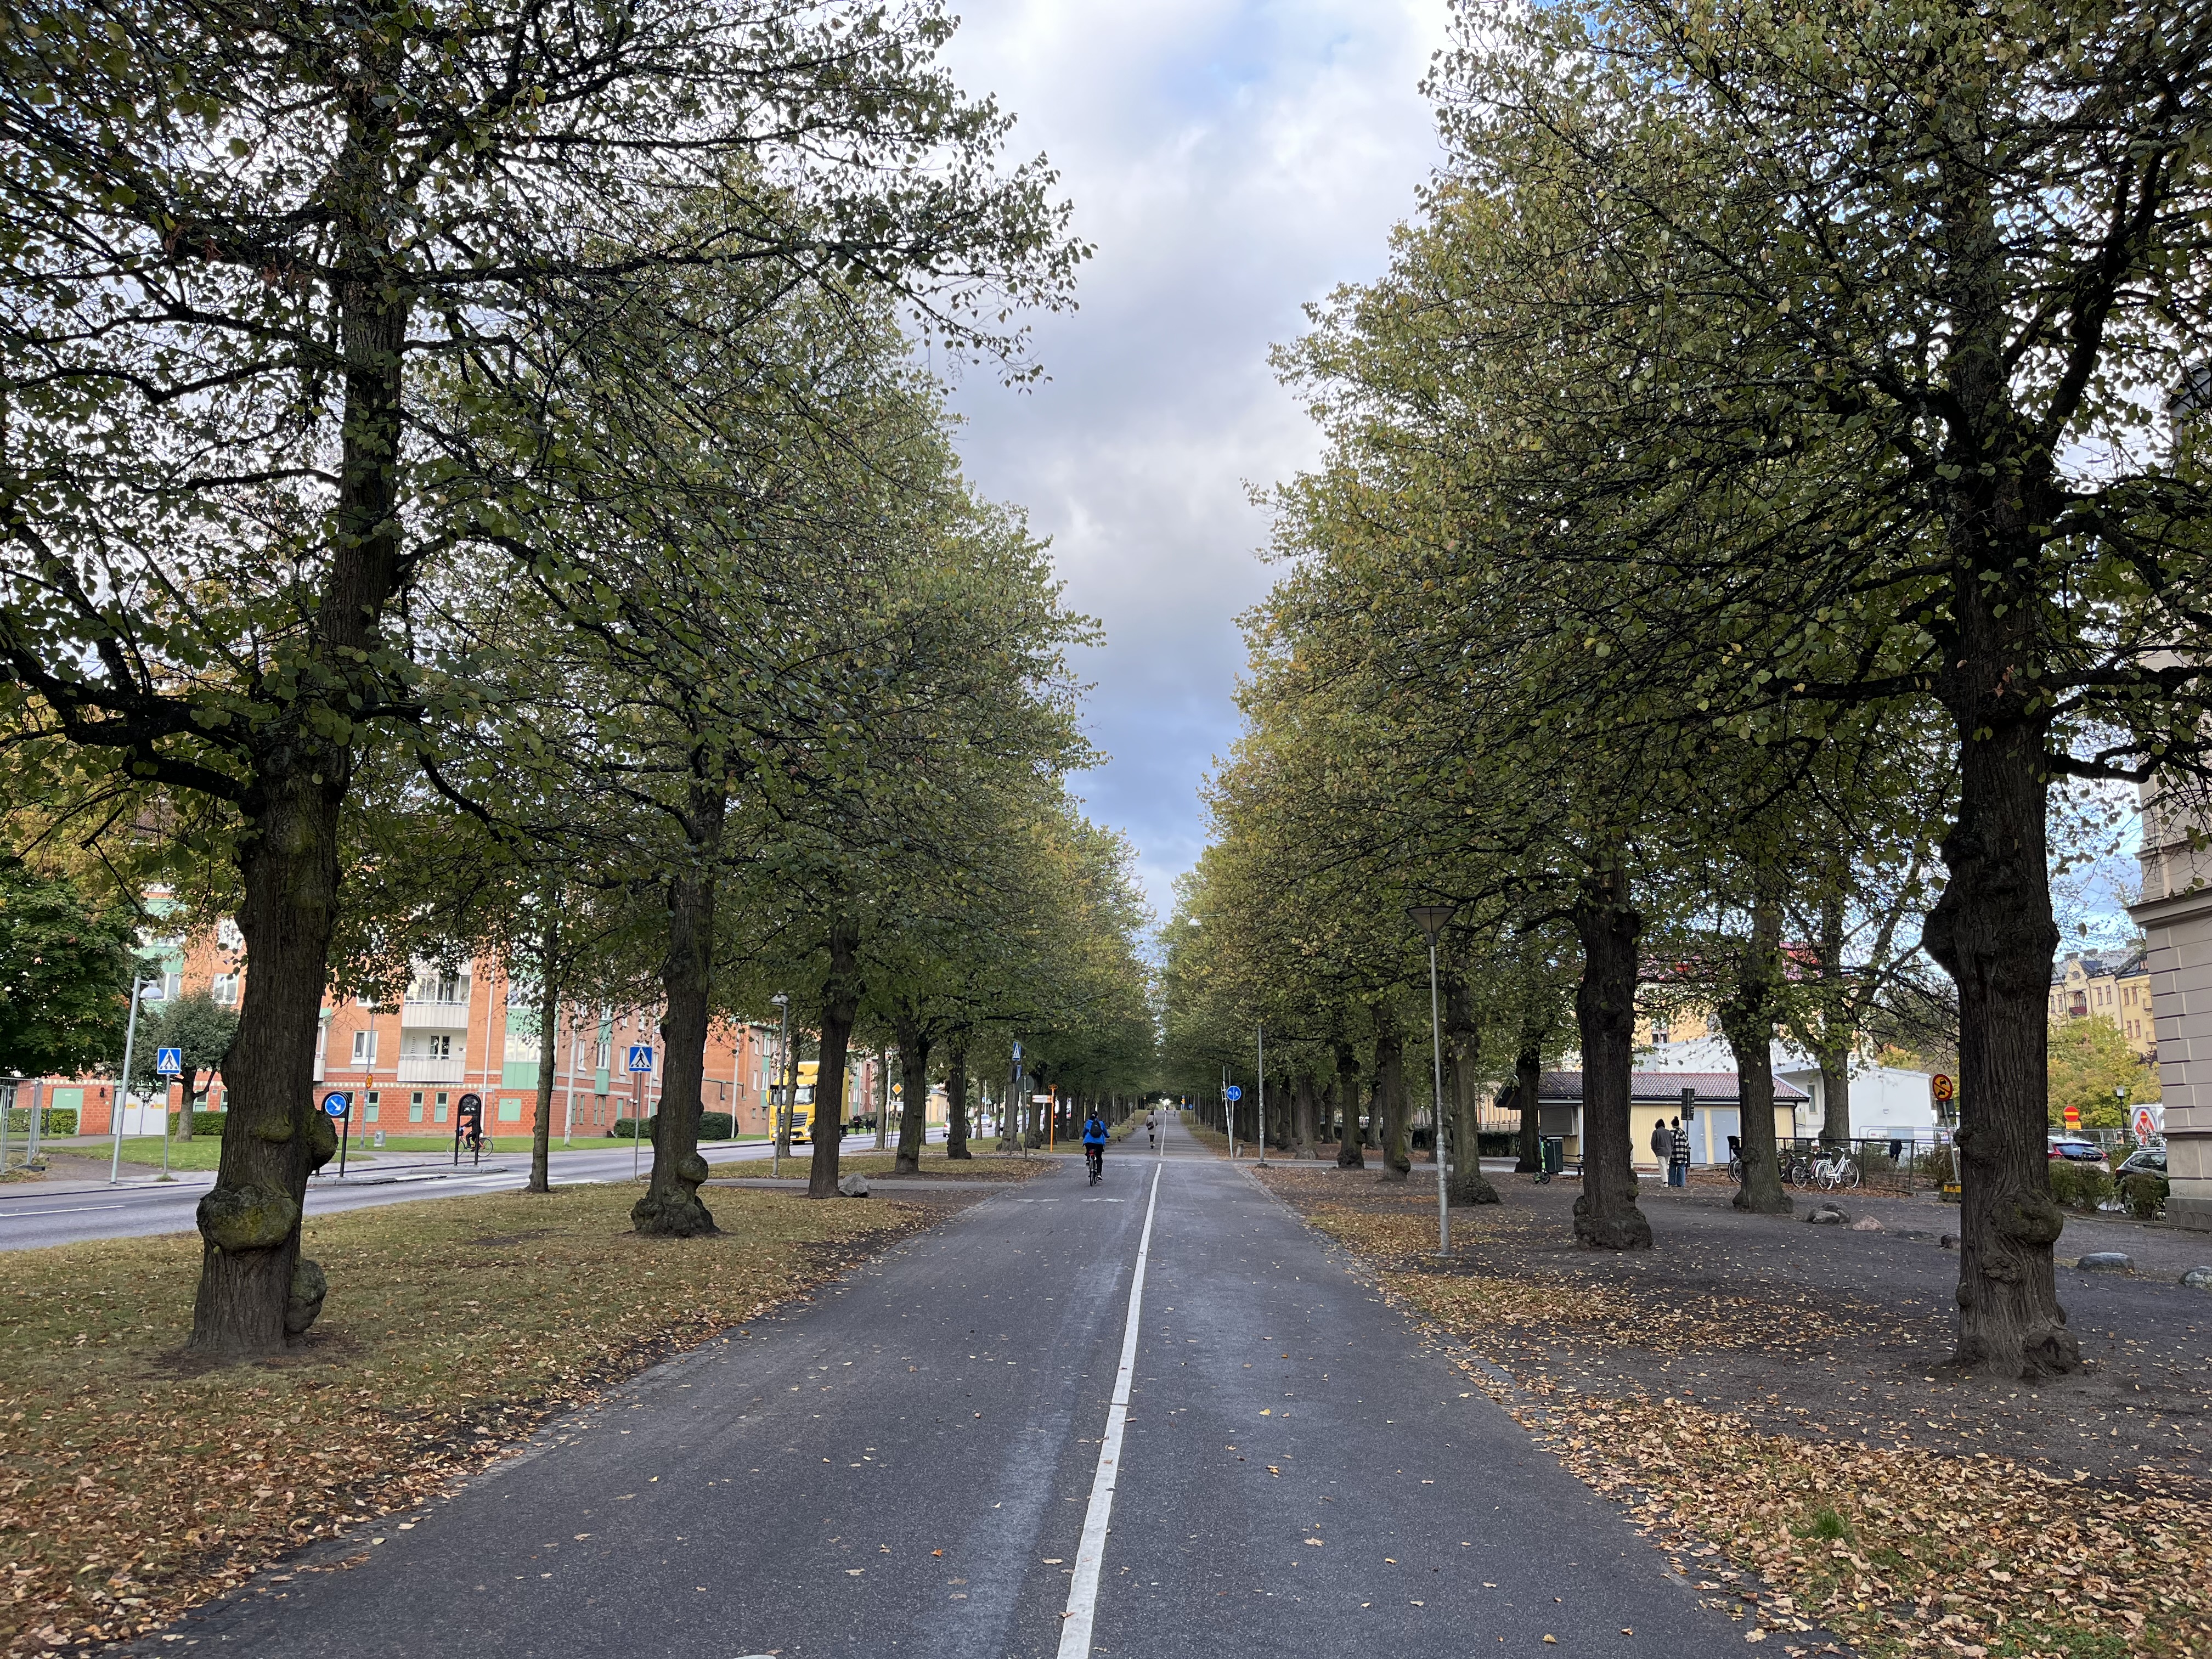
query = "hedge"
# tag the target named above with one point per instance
(56, 1121)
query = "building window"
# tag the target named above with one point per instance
(606, 1050)
(224, 989)
(227, 936)
(415, 1107)
(368, 1103)
(364, 1047)
(1658, 1031)
(441, 1105)
(510, 1111)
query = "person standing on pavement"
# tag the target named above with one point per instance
(1151, 1129)
(1678, 1162)
(1662, 1149)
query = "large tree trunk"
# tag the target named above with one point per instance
(913, 1106)
(1349, 1152)
(1527, 1085)
(1605, 1214)
(1301, 1116)
(956, 1105)
(549, 1037)
(1463, 1036)
(1835, 1049)
(1747, 1016)
(841, 1002)
(256, 1291)
(1390, 1092)
(671, 1204)
(1993, 932)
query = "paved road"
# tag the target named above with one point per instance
(908, 1466)
(38, 1213)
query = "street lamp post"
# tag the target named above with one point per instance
(1430, 919)
(123, 1084)
(779, 1115)
(1259, 1106)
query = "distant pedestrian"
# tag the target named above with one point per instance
(1151, 1129)
(1662, 1146)
(1678, 1161)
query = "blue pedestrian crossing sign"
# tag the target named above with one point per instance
(169, 1062)
(640, 1057)
(1234, 1093)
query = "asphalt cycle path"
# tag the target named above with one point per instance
(36, 1214)
(1156, 1418)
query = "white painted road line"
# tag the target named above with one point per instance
(81, 1209)
(1083, 1591)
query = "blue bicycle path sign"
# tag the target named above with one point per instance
(1233, 1092)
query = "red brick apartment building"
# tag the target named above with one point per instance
(406, 1068)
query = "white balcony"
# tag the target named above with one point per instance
(421, 1068)
(427, 1016)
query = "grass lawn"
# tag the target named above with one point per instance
(508, 1145)
(134, 1485)
(935, 1166)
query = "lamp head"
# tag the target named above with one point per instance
(1430, 918)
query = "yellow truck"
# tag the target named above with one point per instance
(802, 1109)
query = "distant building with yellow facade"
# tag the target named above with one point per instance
(2113, 988)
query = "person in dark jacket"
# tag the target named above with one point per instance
(1678, 1162)
(1662, 1147)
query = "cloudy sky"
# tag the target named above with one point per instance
(1230, 160)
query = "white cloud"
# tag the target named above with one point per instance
(1230, 161)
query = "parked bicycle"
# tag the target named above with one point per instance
(1834, 1169)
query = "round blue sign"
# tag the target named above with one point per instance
(1234, 1093)
(338, 1105)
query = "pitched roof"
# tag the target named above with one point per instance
(1713, 1088)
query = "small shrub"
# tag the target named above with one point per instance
(2079, 1186)
(1496, 1143)
(207, 1123)
(2144, 1194)
(714, 1126)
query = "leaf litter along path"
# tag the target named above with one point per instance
(135, 1484)
(1770, 1398)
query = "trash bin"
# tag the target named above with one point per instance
(1555, 1154)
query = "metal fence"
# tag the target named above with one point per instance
(1887, 1163)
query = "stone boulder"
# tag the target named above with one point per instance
(853, 1186)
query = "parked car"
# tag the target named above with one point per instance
(2076, 1151)
(2148, 1160)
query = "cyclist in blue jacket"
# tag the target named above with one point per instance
(1094, 1145)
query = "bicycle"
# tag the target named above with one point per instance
(1834, 1169)
(1095, 1157)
